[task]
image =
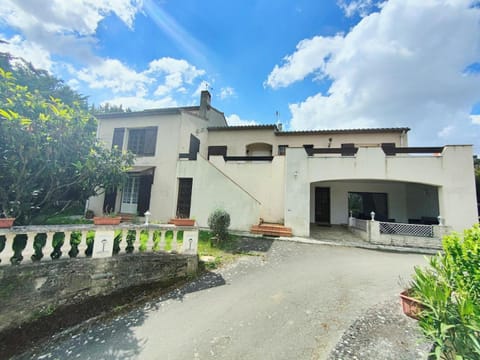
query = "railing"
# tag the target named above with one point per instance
(47, 243)
(248, 158)
(359, 224)
(406, 229)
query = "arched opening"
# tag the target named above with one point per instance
(258, 149)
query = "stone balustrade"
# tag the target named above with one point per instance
(25, 244)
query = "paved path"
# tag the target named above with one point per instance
(294, 302)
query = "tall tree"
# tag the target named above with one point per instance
(49, 153)
(41, 80)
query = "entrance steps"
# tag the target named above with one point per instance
(271, 230)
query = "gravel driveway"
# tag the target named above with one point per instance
(295, 301)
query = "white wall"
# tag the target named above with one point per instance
(264, 180)
(237, 140)
(212, 190)
(163, 200)
(451, 173)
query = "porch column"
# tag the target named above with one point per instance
(297, 192)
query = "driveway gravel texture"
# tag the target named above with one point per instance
(292, 301)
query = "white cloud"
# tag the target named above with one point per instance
(360, 7)
(114, 75)
(446, 131)
(17, 46)
(227, 92)
(401, 66)
(475, 119)
(310, 56)
(235, 120)
(65, 27)
(177, 73)
(141, 103)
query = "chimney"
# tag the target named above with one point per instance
(205, 99)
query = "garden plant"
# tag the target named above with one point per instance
(449, 290)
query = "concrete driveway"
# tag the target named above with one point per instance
(293, 302)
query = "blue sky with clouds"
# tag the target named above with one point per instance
(320, 64)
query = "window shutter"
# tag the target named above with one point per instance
(118, 134)
(144, 194)
(150, 141)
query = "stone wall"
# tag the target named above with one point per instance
(31, 290)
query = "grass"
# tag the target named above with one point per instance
(223, 253)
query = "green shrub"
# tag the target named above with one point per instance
(218, 222)
(449, 289)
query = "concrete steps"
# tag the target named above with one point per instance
(271, 230)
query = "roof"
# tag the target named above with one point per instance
(308, 132)
(343, 131)
(244, 127)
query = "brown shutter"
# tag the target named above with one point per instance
(144, 194)
(118, 134)
(150, 141)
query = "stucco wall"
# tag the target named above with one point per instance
(452, 173)
(264, 180)
(238, 140)
(212, 189)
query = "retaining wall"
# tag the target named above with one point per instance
(32, 290)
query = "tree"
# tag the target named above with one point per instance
(49, 154)
(38, 79)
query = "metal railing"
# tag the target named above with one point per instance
(406, 229)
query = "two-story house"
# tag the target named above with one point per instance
(189, 162)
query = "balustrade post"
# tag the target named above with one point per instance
(29, 250)
(48, 248)
(163, 240)
(150, 243)
(174, 241)
(136, 242)
(82, 247)
(64, 249)
(7, 252)
(123, 242)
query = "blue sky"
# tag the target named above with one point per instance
(320, 64)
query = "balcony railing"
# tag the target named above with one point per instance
(48, 243)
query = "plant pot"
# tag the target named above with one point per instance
(411, 307)
(6, 223)
(97, 220)
(182, 222)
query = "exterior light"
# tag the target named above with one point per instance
(440, 220)
(372, 214)
(147, 216)
(295, 173)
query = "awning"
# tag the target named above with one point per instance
(144, 170)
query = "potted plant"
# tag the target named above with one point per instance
(5, 221)
(410, 306)
(107, 219)
(179, 221)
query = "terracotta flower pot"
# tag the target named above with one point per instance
(182, 222)
(6, 223)
(98, 220)
(411, 307)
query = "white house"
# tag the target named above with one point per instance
(189, 162)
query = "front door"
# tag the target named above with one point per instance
(184, 197)
(130, 195)
(322, 205)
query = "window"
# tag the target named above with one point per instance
(361, 204)
(282, 149)
(142, 141)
